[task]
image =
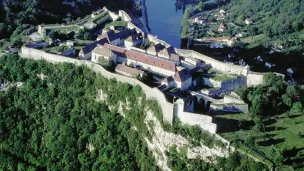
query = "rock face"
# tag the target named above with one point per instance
(162, 140)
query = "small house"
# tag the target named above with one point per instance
(248, 21)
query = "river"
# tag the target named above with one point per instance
(164, 20)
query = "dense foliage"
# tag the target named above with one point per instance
(14, 13)
(273, 17)
(280, 21)
(272, 98)
(55, 122)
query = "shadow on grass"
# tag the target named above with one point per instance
(271, 141)
(270, 122)
(297, 163)
(298, 122)
(293, 152)
(232, 125)
(267, 135)
(274, 128)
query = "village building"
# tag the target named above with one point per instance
(222, 40)
(126, 37)
(199, 20)
(183, 79)
(134, 58)
(133, 40)
(167, 53)
(128, 71)
(111, 37)
(248, 21)
(86, 52)
(222, 15)
(221, 28)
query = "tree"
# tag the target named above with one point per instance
(53, 34)
(88, 36)
(17, 43)
(258, 105)
(287, 100)
(3, 32)
(250, 141)
(297, 108)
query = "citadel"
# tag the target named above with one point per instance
(185, 82)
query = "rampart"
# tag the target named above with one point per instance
(221, 66)
(255, 78)
(42, 30)
(124, 16)
(153, 93)
(203, 121)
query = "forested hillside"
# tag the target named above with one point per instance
(55, 122)
(276, 21)
(14, 13)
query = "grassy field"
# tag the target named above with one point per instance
(284, 134)
(222, 78)
(65, 28)
(252, 39)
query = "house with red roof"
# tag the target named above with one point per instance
(134, 58)
(181, 79)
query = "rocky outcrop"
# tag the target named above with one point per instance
(162, 140)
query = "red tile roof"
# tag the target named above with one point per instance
(216, 38)
(132, 71)
(144, 58)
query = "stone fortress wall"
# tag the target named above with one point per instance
(153, 93)
(205, 122)
(42, 29)
(252, 78)
(255, 78)
(221, 66)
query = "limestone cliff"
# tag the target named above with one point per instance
(162, 140)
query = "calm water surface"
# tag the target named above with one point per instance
(165, 20)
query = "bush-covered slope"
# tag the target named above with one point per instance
(280, 21)
(56, 123)
(14, 13)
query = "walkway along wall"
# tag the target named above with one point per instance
(154, 93)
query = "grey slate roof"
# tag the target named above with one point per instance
(182, 75)
(88, 48)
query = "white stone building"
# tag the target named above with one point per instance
(135, 59)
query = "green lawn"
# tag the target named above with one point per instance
(222, 78)
(280, 133)
(99, 17)
(65, 28)
(252, 39)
